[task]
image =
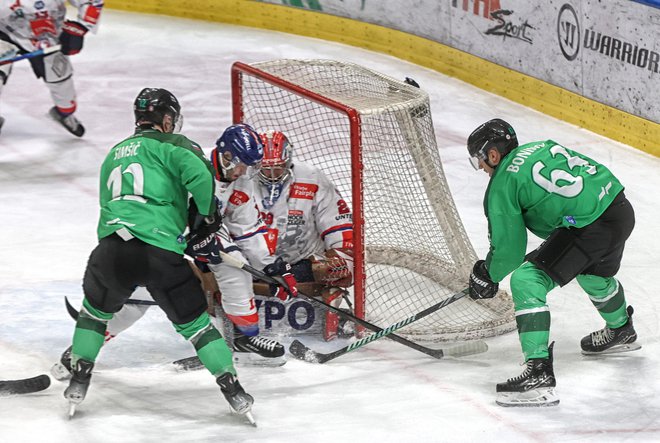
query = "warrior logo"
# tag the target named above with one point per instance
(568, 32)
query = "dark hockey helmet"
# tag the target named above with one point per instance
(152, 104)
(239, 143)
(495, 133)
(276, 164)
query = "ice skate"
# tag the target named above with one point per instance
(257, 350)
(611, 341)
(534, 387)
(69, 122)
(62, 369)
(240, 402)
(2, 122)
(77, 390)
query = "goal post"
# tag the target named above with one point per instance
(373, 137)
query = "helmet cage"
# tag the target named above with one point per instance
(276, 165)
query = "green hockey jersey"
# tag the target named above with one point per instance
(541, 186)
(145, 181)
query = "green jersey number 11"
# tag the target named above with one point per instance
(115, 183)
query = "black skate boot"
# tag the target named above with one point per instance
(257, 350)
(259, 345)
(69, 122)
(610, 341)
(62, 369)
(534, 387)
(77, 390)
(239, 401)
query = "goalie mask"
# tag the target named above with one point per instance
(496, 134)
(237, 148)
(276, 165)
(158, 106)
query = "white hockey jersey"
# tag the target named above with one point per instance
(242, 222)
(37, 24)
(308, 218)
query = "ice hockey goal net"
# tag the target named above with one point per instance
(373, 136)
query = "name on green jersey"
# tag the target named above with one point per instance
(128, 150)
(519, 158)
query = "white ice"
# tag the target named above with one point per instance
(382, 392)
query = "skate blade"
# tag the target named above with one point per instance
(618, 349)
(59, 372)
(72, 410)
(252, 359)
(250, 418)
(245, 412)
(540, 397)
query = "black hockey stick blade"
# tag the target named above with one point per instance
(25, 385)
(73, 312)
(188, 364)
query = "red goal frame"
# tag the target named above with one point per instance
(238, 70)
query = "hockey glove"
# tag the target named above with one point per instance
(335, 270)
(71, 37)
(281, 271)
(481, 286)
(204, 249)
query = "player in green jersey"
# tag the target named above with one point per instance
(144, 188)
(578, 206)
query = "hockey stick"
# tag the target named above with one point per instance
(302, 352)
(436, 353)
(73, 312)
(37, 53)
(25, 385)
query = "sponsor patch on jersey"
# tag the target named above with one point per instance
(271, 240)
(238, 198)
(295, 218)
(570, 219)
(305, 191)
(92, 14)
(347, 239)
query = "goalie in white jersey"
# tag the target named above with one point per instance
(309, 223)
(30, 25)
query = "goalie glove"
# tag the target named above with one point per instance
(335, 269)
(480, 285)
(281, 271)
(71, 37)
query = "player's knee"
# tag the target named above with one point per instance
(596, 285)
(529, 285)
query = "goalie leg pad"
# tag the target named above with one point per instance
(332, 296)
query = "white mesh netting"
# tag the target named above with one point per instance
(417, 251)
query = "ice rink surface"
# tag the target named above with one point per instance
(383, 392)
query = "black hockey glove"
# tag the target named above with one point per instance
(481, 286)
(288, 286)
(204, 249)
(71, 37)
